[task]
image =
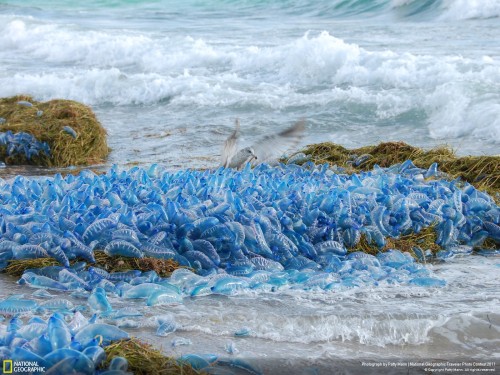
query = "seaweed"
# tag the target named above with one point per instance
(16, 267)
(425, 239)
(143, 359)
(47, 121)
(163, 267)
(481, 171)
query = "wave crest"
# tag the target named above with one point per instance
(470, 9)
(450, 95)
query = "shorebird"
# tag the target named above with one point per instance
(266, 149)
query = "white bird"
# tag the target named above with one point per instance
(268, 148)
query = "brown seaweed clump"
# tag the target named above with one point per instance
(46, 122)
(425, 239)
(163, 267)
(16, 267)
(481, 171)
(143, 359)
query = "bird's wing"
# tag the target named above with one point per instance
(231, 145)
(273, 146)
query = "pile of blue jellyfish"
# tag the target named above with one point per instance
(255, 228)
(23, 144)
(261, 229)
(63, 343)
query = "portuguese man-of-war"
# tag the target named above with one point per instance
(23, 144)
(166, 327)
(261, 228)
(105, 332)
(54, 346)
(69, 130)
(98, 301)
(13, 306)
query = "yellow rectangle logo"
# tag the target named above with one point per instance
(7, 366)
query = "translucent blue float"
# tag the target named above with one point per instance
(56, 346)
(23, 144)
(237, 222)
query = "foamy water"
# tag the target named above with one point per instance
(458, 321)
(310, 330)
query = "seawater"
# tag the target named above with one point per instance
(168, 78)
(317, 332)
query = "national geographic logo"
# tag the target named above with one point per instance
(7, 366)
(12, 367)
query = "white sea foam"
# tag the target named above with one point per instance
(277, 325)
(470, 9)
(379, 330)
(454, 96)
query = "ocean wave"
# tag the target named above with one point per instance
(458, 96)
(391, 9)
(315, 61)
(470, 9)
(454, 10)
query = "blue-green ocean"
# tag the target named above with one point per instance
(168, 78)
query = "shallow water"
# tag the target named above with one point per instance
(308, 331)
(311, 329)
